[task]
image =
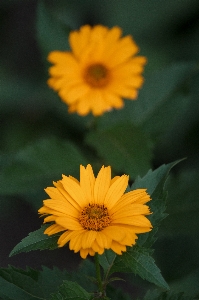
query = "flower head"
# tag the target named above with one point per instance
(94, 214)
(99, 71)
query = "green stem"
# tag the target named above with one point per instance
(98, 273)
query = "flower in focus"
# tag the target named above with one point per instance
(95, 214)
(100, 69)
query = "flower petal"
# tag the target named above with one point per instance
(114, 232)
(97, 248)
(63, 207)
(87, 181)
(84, 253)
(88, 238)
(117, 247)
(134, 220)
(75, 191)
(130, 211)
(54, 229)
(68, 235)
(65, 193)
(137, 196)
(103, 240)
(102, 184)
(69, 223)
(115, 191)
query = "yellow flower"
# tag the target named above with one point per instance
(100, 69)
(94, 213)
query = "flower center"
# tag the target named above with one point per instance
(96, 75)
(94, 217)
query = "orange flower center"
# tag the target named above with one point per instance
(94, 217)
(96, 75)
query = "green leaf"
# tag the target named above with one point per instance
(138, 261)
(51, 279)
(17, 284)
(52, 33)
(38, 165)
(125, 147)
(36, 240)
(159, 87)
(154, 182)
(106, 260)
(157, 295)
(117, 294)
(157, 122)
(70, 290)
(183, 217)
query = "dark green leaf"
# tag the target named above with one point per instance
(159, 87)
(117, 294)
(70, 290)
(51, 279)
(183, 204)
(125, 147)
(156, 295)
(38, 164)
(36, 240)
(138, 261)
(154, 182)
(106, 260)
(17, 284)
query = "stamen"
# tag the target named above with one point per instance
(94, 217)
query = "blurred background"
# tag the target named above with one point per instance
(39, 140)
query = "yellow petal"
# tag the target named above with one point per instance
(97, 248)
(53, 229)
(137, 196)
(50, 219)
(87, 181)
(114, 232)
(69, 223)
(47, 211)
(88, 238)
(76, 241)
(115, 191)
(65, 193)
(124, 50)
(130, 211)
(134, 220)
(84, 253)
(91, 252)
(75, 191)
(63, 207)
(117, 247)
(103, 240)
(74, 91)
(102, 184)
(54, 193)
(67, 236)
(79, 40)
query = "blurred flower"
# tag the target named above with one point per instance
(94, 213)
(100, 70)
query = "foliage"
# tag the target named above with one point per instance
(147, 139)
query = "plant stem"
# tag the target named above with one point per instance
(98, 273)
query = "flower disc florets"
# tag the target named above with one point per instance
(94, 217)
